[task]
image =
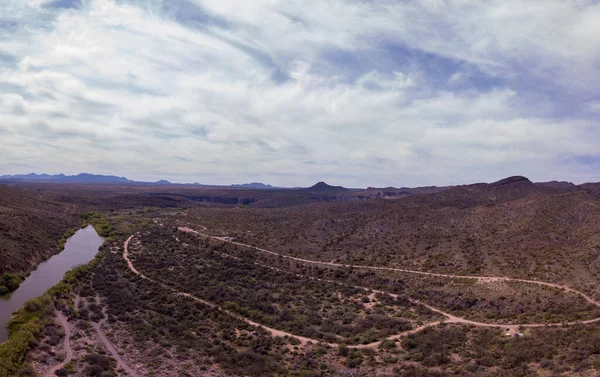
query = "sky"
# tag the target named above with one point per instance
(353, 92)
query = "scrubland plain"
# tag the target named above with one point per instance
(482, 280)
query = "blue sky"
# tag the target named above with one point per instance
(358, 93)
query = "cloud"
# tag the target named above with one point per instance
(290, 92)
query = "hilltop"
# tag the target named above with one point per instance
(324, 187)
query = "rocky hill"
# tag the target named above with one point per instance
(323, 187)
(31, 225)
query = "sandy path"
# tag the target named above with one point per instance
(272, 331)
(67, 344)
(479, 278)
(121, 363)
(373, 292)
(451, 318)
(397, 336)
(303, 340)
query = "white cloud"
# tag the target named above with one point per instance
(117, 87)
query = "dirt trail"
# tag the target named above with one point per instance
(273, 332)
(373, 292)
(121, 363)
(67, 344)
(451, 318)
(397, 336)
(304, 340)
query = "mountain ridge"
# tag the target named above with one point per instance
(512, 182)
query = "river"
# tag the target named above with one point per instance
(81, 248)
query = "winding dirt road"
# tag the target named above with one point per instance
(451, 318)
(67, 344)
(272, 331)
(113, 351)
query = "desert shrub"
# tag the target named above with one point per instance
(23, 329)
(387, 344)
(101, 223)
(99, 365)
(9, 282)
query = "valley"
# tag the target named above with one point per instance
(482, 280)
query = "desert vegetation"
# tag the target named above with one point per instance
(359, 322)
(31, 225)
(314, 309)
(522, 238)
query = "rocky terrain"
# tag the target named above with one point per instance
(494, 279)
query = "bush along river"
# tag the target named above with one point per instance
(81, 248)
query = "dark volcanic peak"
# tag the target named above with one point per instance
(324, 187)
(512, 180)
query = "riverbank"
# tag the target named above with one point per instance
(80, 249)
(32, 223)
(26, 325)
(10, 282)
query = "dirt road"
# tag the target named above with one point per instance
(120, 362)
(273, 332)
(304, 340)
(513, 329)
(67, 344)
(451, 318)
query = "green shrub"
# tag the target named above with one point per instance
(100, 223)
(25, 326)
(9, 282)
(23, 329)
(387, 344)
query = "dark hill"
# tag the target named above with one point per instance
(516, 180)
(506, 189)
(31, 223)
(560, 186)
(325, 188)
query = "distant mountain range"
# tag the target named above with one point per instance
(321, 188)
(112, 179)
(82, 178)
(255, 185)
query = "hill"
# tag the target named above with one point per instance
(31, 225)
(368, 284)
(323, 187)
(558, 185)
(480, 228)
